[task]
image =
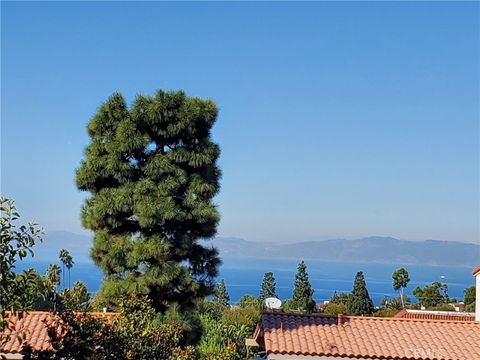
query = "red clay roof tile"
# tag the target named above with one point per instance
(31, 328)
(370, 337)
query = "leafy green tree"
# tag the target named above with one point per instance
(268, 287)
(16, 242)
(433, 295)
(339, 298)
(302, 291)
(32, 294)
(335, 309)
(248, 301)
(469, 295)
(151, 172)
(400, 280)
(76, 298)
(135, 333)
(289, 305)
(359, 302)
(220, 295)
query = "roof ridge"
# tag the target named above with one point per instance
(410, 319)
(373, 318)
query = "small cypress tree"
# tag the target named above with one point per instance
(268, 287)
(221, 296)
(303, 292)
(360, 302)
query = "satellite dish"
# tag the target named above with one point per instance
(273, 303)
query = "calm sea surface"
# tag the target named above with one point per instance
(244, 276)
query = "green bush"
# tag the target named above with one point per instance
(385, 313)
(335, 309)
(248, 317)
(248, 301)
(136, 333)
(442, 307)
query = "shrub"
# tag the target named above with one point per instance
(442, 307)
(248, 301)
(335, 309)
(385, 312)
(248, 317)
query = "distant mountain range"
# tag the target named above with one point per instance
(370, 249)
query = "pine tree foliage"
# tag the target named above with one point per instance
(268, 287)
(303, 292)
(220, 296)
(151, 172)
(359, 302)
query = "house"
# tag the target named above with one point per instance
(414, 336)
(30, 328)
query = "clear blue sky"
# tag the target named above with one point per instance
(336, 119)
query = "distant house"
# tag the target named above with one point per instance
(410, 336)
(30, 329)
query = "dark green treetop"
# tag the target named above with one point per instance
(268, 287)
(303, 292)
(469, 295)
(339, 298)
(432, 295)
(220, 296)
(151, 172)
(359, 302)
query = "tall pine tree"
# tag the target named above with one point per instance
(268, 287)
(359, 302)
(151, 172)
(303, 292)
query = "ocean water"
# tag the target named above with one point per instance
(244, 276)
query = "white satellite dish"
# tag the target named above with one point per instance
(273, 303)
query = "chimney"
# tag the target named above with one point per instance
(476, 273)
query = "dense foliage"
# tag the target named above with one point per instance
(400, 280)
(151, 172)
(135, 333)
(432, 295)
(248, 301)
(359, 302)
(16, 242)
(302, 292)
(268, 287)
(469, 298)
(220, 295)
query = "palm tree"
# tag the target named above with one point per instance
(69, 264)
(63, 256)
(52, 275)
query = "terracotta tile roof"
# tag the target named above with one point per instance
(435, 315)
(369, 337)
(476, 270)
(31, 328)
